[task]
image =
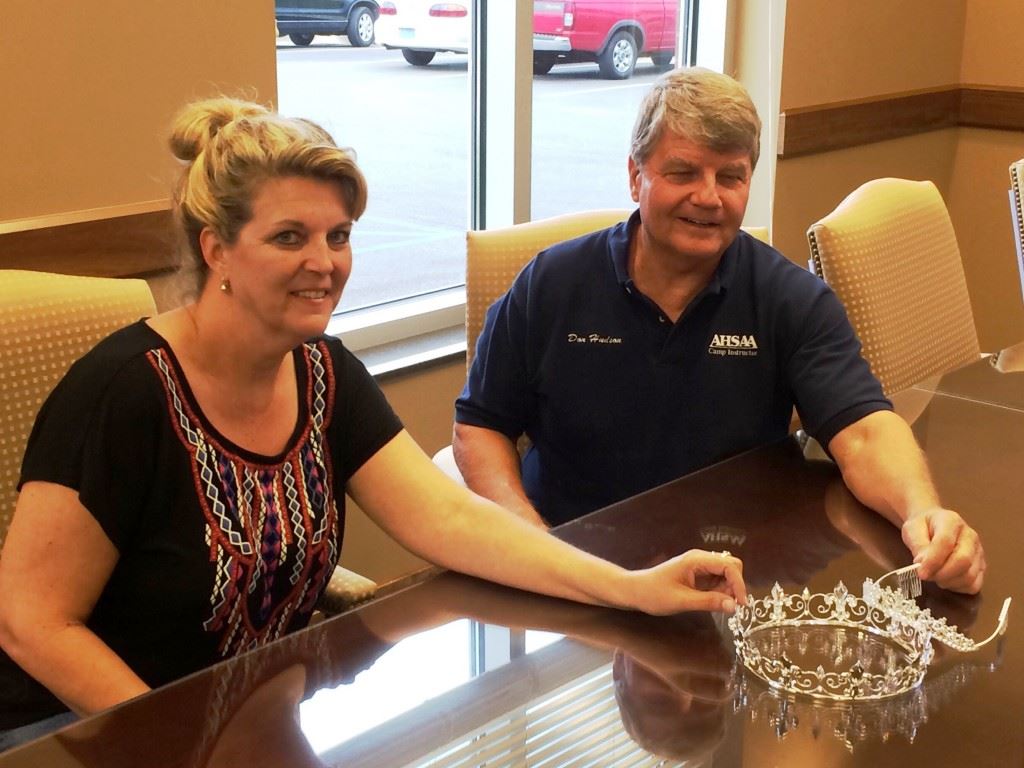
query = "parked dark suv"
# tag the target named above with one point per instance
(301, 19)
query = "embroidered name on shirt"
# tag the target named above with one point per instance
(592, 338)
(737, 345)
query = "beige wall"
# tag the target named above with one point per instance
(993, 54)
(841, 51)
(837, 51)
(980, 209)
(89, 90)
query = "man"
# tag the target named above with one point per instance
(671, 341)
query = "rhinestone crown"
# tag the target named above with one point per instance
(882, 618)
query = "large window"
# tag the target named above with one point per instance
(409, 127)
(583, 110)
(407, 105)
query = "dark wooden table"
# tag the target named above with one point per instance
(457, 672)
(982, 381)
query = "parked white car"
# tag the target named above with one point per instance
(421, 28)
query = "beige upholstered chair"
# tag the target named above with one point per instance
(1017, 210)
(47, 321)
(495, 256)
(890, 254)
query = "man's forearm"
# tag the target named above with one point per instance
(883, 466)
(489, 463)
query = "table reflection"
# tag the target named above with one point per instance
(852, 724)
(271, 709)
(680, 716)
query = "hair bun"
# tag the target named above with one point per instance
(196, 125)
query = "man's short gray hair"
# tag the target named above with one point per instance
(704, 106)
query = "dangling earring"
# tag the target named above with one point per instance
(225, 285)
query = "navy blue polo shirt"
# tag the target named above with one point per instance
(617, 399)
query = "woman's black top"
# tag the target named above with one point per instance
(220, 549)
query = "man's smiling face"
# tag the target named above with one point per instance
(692, 198)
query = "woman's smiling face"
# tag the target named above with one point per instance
(291, 260)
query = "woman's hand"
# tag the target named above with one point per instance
(693, 581)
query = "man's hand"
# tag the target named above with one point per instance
(693, 581)
(948, 549)
(884, 468)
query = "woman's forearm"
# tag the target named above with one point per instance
(482, 539)
(446, 524)
(55, 563)
(75, 665)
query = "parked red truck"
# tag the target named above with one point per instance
(611, 32)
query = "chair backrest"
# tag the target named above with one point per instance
(890, 254)
(495, 256)
(1017, 211)
(48, 321)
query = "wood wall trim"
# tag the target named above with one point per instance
(998, 108)
(826, 127)
(132, 245)
(77, 217)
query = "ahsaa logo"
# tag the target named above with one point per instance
(733, 341)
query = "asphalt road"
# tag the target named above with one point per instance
(410, 129)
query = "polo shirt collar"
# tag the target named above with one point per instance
(618, 245)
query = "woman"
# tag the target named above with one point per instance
(182, 490)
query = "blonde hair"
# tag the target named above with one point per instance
(229, 148)
(699, 104)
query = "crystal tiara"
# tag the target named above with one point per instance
(870, 647)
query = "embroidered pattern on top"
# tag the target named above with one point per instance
(272, 530)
